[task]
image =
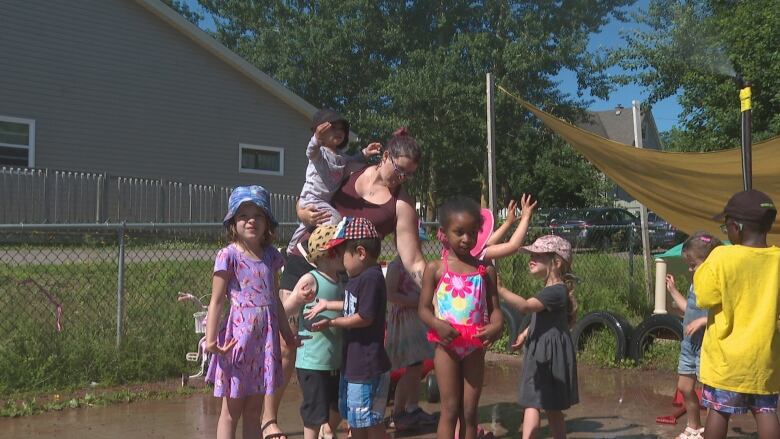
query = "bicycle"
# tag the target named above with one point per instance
(200, 328)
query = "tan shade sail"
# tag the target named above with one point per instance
(686, 189)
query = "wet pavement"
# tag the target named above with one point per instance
(614, 404)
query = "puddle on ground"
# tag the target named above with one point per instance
(613, 404)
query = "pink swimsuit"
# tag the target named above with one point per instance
(459, 300)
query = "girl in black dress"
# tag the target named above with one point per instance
(549, 377)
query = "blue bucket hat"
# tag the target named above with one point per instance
(256, 195)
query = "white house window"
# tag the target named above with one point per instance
(257, 159)
(17, 142)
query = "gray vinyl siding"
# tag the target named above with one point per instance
(113, 88)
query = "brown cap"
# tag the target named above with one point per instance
(750, 206)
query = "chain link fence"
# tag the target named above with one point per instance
(97, 303)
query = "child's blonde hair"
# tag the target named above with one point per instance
(700, 244)
(570, 280)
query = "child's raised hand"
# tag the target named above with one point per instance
(526, 206)
(519, 341)
(489, 333)
(215, 348)
(372, 149)
(446, 332)
(670, 283)
(319, 132)
(318, 307)
(511, 212)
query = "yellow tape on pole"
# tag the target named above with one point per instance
(745, 99)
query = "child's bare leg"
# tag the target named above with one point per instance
(686, 384)
(333, 423)
(717, 425)
(767, 425)
(407, 391)
(253, 407)
(272, 401)
(448, 374)
(373, 432)
(310, 432)
(531, 418)
(557, 423)
(232, 408)
(473, 367)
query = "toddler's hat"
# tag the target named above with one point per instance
(751, 206)
(318, 242)
(332, 116)
(353, 228)
(550, 244)
(256, 195)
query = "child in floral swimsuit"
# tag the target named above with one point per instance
(459, 304)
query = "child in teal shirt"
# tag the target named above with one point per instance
(318, 359)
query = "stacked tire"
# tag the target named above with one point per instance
(655, 327)
(629, 342)
(594, 321)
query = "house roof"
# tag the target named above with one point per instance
(616, 124)
(205, 40)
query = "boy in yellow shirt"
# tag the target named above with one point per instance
(740, 285)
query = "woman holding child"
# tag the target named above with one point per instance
(374, 192)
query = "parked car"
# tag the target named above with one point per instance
(662, 234)
(601, 227)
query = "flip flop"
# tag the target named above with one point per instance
(272, 435)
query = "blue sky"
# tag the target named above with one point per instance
(665, 112)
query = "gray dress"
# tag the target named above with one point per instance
(549, 377)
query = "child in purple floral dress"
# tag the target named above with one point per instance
(248, 360)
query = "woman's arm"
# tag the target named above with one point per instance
(516, 241)
(392, 278)
(523, 305)
(407, 239)
(218, 293)
(310, 215)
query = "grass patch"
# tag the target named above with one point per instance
(158, 331)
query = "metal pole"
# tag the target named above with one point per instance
(491, 145)
(746, 105)
(642, 209)
(120, 287)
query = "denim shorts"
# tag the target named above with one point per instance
(690, 356)
(363, 404)
(726, 401)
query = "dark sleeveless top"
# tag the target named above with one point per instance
(349, 203)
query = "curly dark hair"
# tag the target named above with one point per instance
(459, 204)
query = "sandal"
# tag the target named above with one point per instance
(272, 435)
